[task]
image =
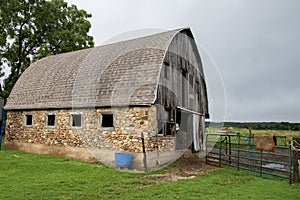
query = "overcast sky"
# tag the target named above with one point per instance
(255, 45)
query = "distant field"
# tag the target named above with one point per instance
(32, 176)
(245, 131)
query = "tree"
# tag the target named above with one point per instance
(33, 29)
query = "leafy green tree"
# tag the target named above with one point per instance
(33, 29)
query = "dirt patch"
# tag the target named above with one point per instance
(188, 167)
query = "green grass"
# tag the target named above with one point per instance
(32, 176)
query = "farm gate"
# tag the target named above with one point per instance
(240, 151)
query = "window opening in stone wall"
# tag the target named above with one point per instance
(107, 120)
(50, 120)
(76, 120)
(166, 121)
(170, 124)
(28, 119)
(170, 128)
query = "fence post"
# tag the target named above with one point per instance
(144, 153)
(206, 137)
(220, 151)
(290, 164)
(238, 151)
(1, 127)
(229, 138)
(260, 171)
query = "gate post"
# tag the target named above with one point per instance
(295, 147)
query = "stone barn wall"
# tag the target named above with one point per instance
(89, 142)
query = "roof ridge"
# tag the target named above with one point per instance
(145, 36)
(115, 43)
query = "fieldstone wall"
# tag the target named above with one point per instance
(130, 122)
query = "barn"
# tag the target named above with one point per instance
(146, 96)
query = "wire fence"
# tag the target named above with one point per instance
(245, 152)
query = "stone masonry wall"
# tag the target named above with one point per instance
(130, 122)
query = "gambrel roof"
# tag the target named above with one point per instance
(122, 73)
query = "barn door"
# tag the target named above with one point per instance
(196, 139)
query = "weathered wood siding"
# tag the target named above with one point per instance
(181, 83)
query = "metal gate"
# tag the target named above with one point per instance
(239, 151)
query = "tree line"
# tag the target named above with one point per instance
(265, 125)
(33, 29)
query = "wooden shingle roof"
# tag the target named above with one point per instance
(122, 73)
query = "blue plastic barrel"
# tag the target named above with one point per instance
(123, 159)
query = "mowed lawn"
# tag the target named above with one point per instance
(32, 176)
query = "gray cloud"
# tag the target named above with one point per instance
(255, 44)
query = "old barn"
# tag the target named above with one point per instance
(92, 103)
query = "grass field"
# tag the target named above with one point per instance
(32, 176)
(245, 131)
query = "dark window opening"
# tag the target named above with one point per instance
(170, 128)
(166, 70)
(50, 120)
(166, 122)
(191, 81)
(183, 87)
(178, 116)
(28, 120)
(76, 120)
(107, 120)
(197, 87)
